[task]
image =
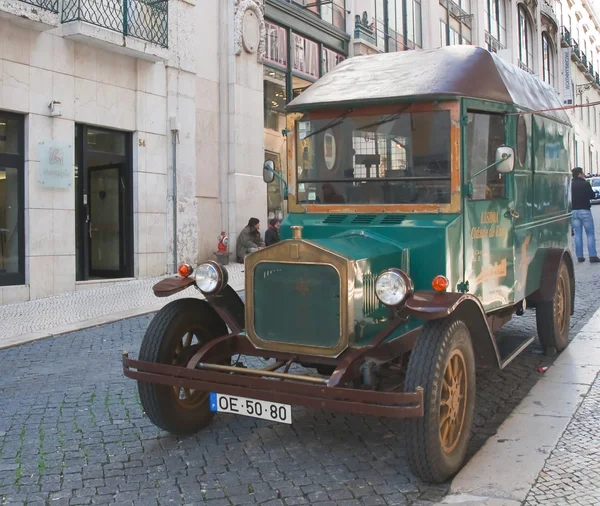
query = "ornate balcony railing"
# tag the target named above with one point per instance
(524, 67)
(576, 50)
(584, 60)
(591, 70)
(597, 79)
(143, 19)
(47, 5)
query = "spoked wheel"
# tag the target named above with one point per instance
(553, 317)
(453, 403)
(185, 349)
(443, 363)
(175, 334)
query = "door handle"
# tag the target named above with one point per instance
(513, 214)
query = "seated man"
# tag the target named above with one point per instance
(249, 240)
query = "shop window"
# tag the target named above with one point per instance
(276, 44)
(275, 99)
(485, 134)
(305, 56)
(331, 59)
(12, 233)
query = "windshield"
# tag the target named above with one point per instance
(397, 158)
(595, 183)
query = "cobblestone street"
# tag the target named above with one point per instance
(571, 473)
(72, 432)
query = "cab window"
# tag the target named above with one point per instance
(485, 133)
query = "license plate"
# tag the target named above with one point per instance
(273, 411)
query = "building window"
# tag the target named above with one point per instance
(399, 20)
(331, 59)
(276, 44)
(305, 56)
(525, 40)
(547, 59)
(12, 194)
(455, 23)
(332, 11)
(495, 11)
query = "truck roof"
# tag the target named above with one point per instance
(451, 71)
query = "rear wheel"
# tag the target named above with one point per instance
(443, 363)
(553, 317)
(175, 334)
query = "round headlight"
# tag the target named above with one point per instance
(393, 287)
(210, 277)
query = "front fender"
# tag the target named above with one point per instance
(170, 286)
(227, 303)
(460, 306)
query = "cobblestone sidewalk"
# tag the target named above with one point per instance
(28, 321)
(571, 475)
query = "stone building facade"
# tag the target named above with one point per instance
(120, 121)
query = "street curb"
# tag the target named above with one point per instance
(32, 337)
(509, 463)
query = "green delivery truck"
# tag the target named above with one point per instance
(429, 203)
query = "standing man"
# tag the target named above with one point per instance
(581, 194)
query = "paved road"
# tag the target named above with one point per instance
(72, 432)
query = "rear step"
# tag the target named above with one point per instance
(510, 346)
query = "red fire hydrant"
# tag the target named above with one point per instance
(223, 242)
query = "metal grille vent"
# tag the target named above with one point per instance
(364, 219)
(335, 218)
(393, 219)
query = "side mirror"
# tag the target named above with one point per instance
(505, 159)
(268, 171)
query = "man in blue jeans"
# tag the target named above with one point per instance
(581, 194)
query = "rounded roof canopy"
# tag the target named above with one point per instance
(451, 71)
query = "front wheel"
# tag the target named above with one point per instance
(174, 335)
(443, 363)
(553, 317)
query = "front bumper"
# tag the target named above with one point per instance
(285, 388)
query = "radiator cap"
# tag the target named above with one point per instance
(297, 232)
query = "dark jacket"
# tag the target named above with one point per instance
(248, 238)
(581, 194)
(271, 236)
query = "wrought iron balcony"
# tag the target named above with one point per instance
(143, 19)
(576, 50)
(47, 5)
(597, 79)
(591, 70)
(524, 67)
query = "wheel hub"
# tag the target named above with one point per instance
(453, 401)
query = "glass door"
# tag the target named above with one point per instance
(103, 207)
(105, 221)
(12, 237)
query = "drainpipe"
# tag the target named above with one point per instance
(226, 106)
(174, 137)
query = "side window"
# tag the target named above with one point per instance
(485, 134)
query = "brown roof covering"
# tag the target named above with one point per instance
(465, 71)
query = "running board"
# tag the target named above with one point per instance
(510, 347)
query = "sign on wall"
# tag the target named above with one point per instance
(56, 164)
(567, 89)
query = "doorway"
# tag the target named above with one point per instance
(103, 203)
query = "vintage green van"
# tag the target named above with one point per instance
(429, 202)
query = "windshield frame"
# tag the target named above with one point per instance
(453, 107)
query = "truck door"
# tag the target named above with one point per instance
(488, 241)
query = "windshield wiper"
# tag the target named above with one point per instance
(334, 122)
(386, 120)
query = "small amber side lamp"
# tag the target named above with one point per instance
(185, 270)
(440, 283)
